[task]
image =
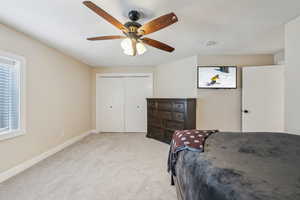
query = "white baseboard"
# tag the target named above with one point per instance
(29, 163)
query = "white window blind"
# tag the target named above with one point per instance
(9, 96)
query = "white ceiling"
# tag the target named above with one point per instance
(239, 27)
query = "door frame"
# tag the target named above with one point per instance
(118, 75)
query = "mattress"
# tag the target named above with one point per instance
(241, 166)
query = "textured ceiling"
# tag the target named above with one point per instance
(238, 26)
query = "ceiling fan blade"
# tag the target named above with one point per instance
(105, 15)
(110, 37)
(157, 44)
(158, 23)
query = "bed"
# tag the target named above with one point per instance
(241, 166)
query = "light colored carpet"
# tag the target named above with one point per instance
(109, 166)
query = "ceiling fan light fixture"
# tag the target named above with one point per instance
(140, 48)
(128, 52)
(126, 45)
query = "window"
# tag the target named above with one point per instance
(11, 96)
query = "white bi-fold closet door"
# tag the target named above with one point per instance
(121, 102)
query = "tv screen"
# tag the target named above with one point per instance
(217, 77)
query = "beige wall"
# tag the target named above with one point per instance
(292, 98)
(176, 79)
(111, 70)
(58, 96)
(221, 108)
(216, 109)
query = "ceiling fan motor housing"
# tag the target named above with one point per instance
(132, 27)
(134, 15)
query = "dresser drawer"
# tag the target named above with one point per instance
(155, 122)
(168, 136)
(150, 111)
(177, 116)
(165, 106)
(165, 115)
(152, 104)
(153, 113)
(178, 107)
(174, 125)
(157, 133)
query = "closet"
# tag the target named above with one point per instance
(121, 102)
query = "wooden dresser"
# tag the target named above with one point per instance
(167, 115)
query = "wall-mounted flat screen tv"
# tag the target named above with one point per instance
(217, 77)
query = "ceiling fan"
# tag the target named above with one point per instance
(133, 38)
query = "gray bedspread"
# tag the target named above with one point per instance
(241, 166)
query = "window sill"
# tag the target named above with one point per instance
(11, 134)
